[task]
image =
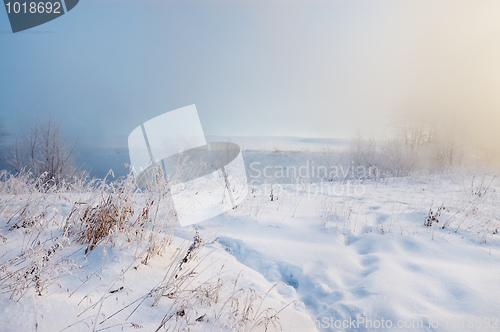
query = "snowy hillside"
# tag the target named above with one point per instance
(416, 253)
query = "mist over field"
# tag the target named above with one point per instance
(219, 165)
(332, 69)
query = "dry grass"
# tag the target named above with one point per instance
(99, 221)
(59, 227)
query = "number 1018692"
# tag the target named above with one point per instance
(33, 7)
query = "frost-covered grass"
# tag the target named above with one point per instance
(95, 255)
(102, 256)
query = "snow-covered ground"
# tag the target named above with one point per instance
(418, 253)
(357, 261)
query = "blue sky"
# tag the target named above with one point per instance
(272, 68)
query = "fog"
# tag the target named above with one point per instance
(258, 68)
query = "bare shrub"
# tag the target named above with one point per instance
(43, 152)
(398, 159)
(422, 141)
(434, 216)
(39, 266)
(364, 152)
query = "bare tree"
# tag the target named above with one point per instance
(452, 141)
(399, 159)
(364, 152)
(44, 152)
(414, 129)
(437, 138)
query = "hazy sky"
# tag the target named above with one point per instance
(285, 68)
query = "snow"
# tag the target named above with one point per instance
(374, 260)
(334, 260)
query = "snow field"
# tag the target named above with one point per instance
(415, 253)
